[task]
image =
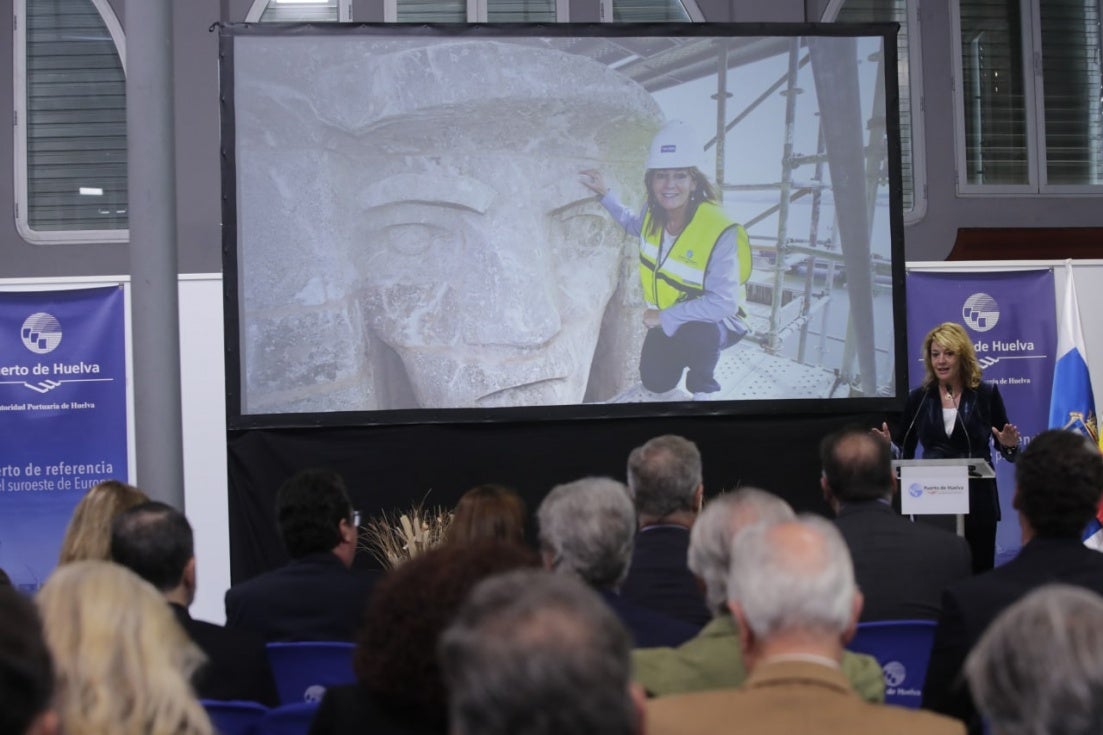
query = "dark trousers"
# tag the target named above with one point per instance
(696, 346)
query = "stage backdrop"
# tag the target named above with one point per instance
(1012, 322)
(62, 416)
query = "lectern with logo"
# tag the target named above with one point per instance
(939, 486)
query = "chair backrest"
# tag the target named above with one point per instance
(234, 717)
(303, 670)
(903, 648)
(288, 719)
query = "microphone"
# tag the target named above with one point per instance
(915, 417)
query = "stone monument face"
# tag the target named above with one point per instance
(478, 267)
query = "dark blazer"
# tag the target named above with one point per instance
(970, 605)
(901, 567)
(237, 662)
(351, 709)
(659, 578)
(649, 629)
(313, 598)
(979, 410)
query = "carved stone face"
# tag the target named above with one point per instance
(440, 213)
(487, 270)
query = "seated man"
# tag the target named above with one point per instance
(317, 596)
(1039, 666)
(586, 529)
(26, 670)
(713, 660)
(791, 590)
(533, 653)
(155, 541)
(1058, 481)
(664, 478)
(901, 567)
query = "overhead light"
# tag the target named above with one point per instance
(90, 191)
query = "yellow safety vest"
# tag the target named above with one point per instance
(681, 274)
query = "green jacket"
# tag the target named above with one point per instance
(713, 660)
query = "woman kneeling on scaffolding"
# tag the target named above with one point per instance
(694, 261)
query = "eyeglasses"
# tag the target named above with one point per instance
(356, 518)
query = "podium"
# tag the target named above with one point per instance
(939, 486)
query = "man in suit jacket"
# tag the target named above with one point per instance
(664, 479)
(155, 541)
(713, 658)
(901, 567)
(791, 589)
(1058, 482)
(586, 530)
(317, 596)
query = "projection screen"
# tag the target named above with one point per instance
(447, 222)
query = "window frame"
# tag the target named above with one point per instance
(19, 84)
(918, 210)
(477, 11)
(692, 9)
(344, 10)
(1033, 108)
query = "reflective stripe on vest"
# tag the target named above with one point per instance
(681, 275)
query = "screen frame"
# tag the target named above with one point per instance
(237, 420)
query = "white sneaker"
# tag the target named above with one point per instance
(703, 396)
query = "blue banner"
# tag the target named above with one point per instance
(62, 416)
(1011, 319)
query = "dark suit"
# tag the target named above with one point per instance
(901, 567)
(659, 578)
(970, 605)
(237, 662)
(313, 598)
(351, 709)
(979, 410)
(649, 629)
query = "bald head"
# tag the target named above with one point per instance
(857, 466)
(793, 577)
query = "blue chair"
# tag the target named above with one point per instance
(903, 648)
(288, 719)
(234, 717)
(303, 670)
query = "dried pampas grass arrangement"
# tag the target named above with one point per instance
(393, 538)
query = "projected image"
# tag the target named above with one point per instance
(432, 222)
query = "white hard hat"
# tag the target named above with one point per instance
(675, 146)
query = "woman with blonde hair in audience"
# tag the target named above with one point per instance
(88, 535)
(123, 663)
(487, 513)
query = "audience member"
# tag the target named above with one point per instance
(155, 542)
(487, 512)
(88, 534)
(664, 478)
(533, 653)
(1038, 669)
(1058, 482)
(713, 659)
(317, 596)
(901, 567)
(587, 529)
(5, 580)
(26, 672)
(399, 689)
(792, 591)
(123, 663)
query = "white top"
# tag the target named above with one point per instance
(949, 416)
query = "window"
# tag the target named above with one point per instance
(1028, 86)
(70, 122)
(645, 11)
(912, 168)
(302, 11)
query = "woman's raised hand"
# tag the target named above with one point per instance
(593, 180)
(882, 432)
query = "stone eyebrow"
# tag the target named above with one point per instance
(442, 191)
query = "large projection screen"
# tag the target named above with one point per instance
(412, 233)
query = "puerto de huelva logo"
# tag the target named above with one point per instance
(41, 333)
(981, 312)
